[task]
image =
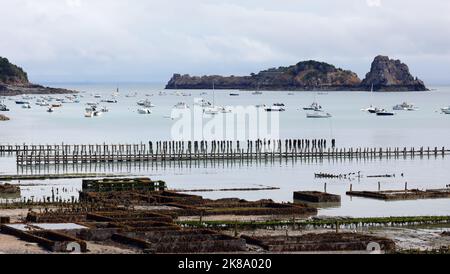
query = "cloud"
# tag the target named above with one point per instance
(148, 40)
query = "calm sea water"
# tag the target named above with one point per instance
(349, 126)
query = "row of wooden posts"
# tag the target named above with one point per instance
(205, 150)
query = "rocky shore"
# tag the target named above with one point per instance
(13, 90)
(3, 118)
(385, 75)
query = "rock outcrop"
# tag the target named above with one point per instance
(385, 75)
(14, 81)
(308, 75)
(3, 118)
(391, 75)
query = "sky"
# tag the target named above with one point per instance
(147, 41)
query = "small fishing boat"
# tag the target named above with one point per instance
(145, 103)
(26, 106)
(314, 106)
(318, 115)
(446, 111)
(405, 106)
(234, 94)
(50, 110)
(3, 107)
(257, 93)
(144, 111)
(97, 96)
(89, 114)
(261, 106)
(110, 101)
(56, 105)
(104, 109)
(275, 108)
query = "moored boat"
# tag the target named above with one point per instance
(384, 112)
(144, 111)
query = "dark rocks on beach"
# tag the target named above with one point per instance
(385, 75)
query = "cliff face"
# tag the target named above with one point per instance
(308, 75)
(11, 74)
(391, 75)
(14, 81)
(385, 75)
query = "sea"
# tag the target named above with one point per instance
(349, 126)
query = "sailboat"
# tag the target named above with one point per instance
(371, 109)
(212, 110)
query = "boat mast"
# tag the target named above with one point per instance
(214, 95)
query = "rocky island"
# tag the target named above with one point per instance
(14, 81)
(385, 75)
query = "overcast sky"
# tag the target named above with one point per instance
(147, 41)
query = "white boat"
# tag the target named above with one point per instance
(97, 96)
(318, 114)
(211, 110)
(314, 106)
(42, 104)
(89, 114)
(27, 106)
(181, 105)
(257, 92)
(145, 103)
(405, 106)
(144, 111)
(97, 113)
(261, 106)
(91, 104)
(371, 109)
(50, 109)
(202, 102)
(104, 109)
